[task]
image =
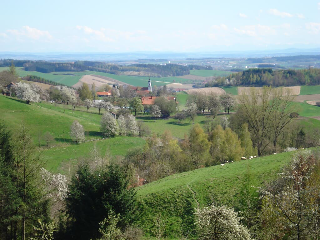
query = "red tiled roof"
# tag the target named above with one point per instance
(148, 100)
(104, 93)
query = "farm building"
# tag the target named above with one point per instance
(104, 94)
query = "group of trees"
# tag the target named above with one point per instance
(125, 125)
(163, 156)
(268, 77)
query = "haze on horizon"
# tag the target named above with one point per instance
(178, 26)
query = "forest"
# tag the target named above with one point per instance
(258, 77)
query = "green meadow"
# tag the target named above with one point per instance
(308, 90)
(172, 200)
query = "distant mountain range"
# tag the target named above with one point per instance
(118, 57)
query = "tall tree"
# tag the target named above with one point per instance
(267, 114)
(84, 92)
(22, 199)
(109, 126)
(227, 101)
(136, 105)
(93, 195)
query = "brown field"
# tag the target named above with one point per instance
(180, 86)
(216, 90)
(97, 80)
(293, 90)
(308, 98)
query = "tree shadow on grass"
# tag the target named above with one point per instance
(66, 140)
(18, 100)
(93, 134)
(180, 124)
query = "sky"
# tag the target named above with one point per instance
(37, 26)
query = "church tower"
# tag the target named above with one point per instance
(149, 86)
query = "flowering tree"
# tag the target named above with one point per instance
(132, 126)
(25, 92)
(77, 132)
(220, 223)
(122, 125)
(155, 111)
(109, 126)
(68, 94)
(291, 204)
(88, 103)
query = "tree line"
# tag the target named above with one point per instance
(268, 77)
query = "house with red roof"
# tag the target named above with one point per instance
(104, 94)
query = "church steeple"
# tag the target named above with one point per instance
(149, 85)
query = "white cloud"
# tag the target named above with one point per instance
(255, 30)
(300, 16)
(276, 12)
(99, 35)
(30, 32)
(319, 5)
(3, 35)
(220, 27)
(243, 15)
(313, 27)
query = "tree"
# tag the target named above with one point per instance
(93, 91)
(122, 125)
(48, 138)
(94, 195)
(99, 105)
(22, 198)
(199, 145)
(191, 111)
(246, 142)
(6, 78)
(227, 101)
(109, 126)
(77, 132)
(167, 107)
(68, 95)
(290, 206)
(13, 70)
(213, 104)
(155, 111)
(25, 93)
(132, 126)
(219, 223)
(267, 114)
(84, 92)
(136, 105)
(88, 103)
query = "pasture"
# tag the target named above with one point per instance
(308, 90)
(60, 159)
(168, 200)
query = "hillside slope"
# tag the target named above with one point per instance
(168, 204)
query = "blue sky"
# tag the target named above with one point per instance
(141, 25)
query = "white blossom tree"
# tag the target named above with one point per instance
(122, 125)
(220, 223)
(109, 126)
(24, 92)
(132, 126)
(155, 111)
(68, 95)
(108, 106)
(77, 132)
(88, 103)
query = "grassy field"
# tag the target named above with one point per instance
(231, 90)
(55, 159)
(171, 200)
(158, 126)
(71, 78)
(210, 73)
(182, 98)
(308, 90)
(306, 110)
